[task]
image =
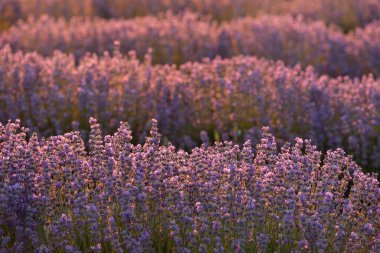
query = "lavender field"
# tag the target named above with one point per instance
(189, 126)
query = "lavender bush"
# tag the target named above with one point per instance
(345, 13)
(178, 39)
(295, 41)
(119, 197)
(175, 39)
(228, 99)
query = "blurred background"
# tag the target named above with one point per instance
(347, 14)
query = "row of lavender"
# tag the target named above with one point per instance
(178, 39)
(228, 99)
(56, 197)
(345, 13)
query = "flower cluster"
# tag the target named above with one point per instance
(345, 13)
(178, 39)
(59, 194)
(228, 99)
(224, 151)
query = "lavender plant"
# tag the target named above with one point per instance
(345, 13)
(178, 39)
(228, 99)
(59, 196)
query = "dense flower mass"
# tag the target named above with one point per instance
(253, 126)
(178, 39)
(58, 194)
(345, 13)
(228, 99)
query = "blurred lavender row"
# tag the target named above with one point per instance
(178, 39)
(347, 14)
(120, 197)
(225, 99)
